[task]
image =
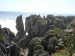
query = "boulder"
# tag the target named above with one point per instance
(41, 27)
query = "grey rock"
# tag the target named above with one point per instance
(20, 28)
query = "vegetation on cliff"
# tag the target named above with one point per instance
(43, 36)
(49, 35)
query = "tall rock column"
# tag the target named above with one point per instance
(20, 28)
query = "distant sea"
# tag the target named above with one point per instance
(8, 18)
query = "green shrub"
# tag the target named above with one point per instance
(61, 54)
(1, 36)
(42, 22)
(57, 31)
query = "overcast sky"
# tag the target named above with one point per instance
(39, 6)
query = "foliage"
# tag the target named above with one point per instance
(50, 32)
(52, 43)
(1, 36)
(42, 22)
(61, 54)
(39, 51)
(69, 41)
(59, 23)
(35, 41)
(57, 31)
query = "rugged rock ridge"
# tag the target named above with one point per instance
(44, 34)
(6, 45)
(35, 25)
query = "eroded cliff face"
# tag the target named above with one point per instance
(30, 24)
(42, 35)
(35, 25)
(6, 38)
(6, 35)
(20, 28)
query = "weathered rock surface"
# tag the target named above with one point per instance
(35, 25)
(24, 42)
(9, 35)
(6, 39)
(20, 28)
(44, 34)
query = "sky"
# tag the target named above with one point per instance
(39, 6)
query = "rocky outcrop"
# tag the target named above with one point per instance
(9, 35)
(30, 28)
(51, 41)
(24, 42)
(6, 35)
(35, 25)
(20, 28)
(41, 27)
(44, 34)
(30, 24)
(7, 42)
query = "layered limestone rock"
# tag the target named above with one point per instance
(35, 25)
(20, 28)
